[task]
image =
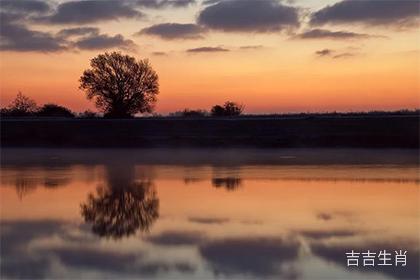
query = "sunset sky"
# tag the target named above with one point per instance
(272, 56)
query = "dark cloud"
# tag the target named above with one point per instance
(17, 37)
(94, 258)
(159, 53)
(177, 238)
(321, 234)
(88, 11)
(208, 220)
(254, 47)
(79, 250)
(249, 16)
(104, 41)
(324, 216)
(78, 31)
(27, 6)
(344, 55)
(327, 34)
(375, 12)
(333, 54)
(164, 3)
(324, 52)
(259, 257)
(122, 263)
(15, 236)
(207, 49)
(172, 31)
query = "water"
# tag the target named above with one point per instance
(205, 214)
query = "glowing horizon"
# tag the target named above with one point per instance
(350, 66)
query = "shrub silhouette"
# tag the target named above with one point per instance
(120, 86)
(53, 110)
(229, 109)
(190, 113)
(88, 115)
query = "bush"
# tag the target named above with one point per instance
(229, 109)
(88, 115)
(190, 113)
(53, 110)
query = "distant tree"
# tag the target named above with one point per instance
(190, 113)
(20, 106)
(53, 110)
(217, 111)
(88, 115)
(228, 109)
(120, 85)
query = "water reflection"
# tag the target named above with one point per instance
(228, 183)
(124, 219)
(123, 206)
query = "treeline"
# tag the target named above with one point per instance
(24, 106)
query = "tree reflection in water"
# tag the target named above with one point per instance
(122, 207)
(228, 183)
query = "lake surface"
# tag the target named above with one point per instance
(205, 214)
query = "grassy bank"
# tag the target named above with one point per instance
(331, 131)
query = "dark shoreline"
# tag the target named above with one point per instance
(259, 132)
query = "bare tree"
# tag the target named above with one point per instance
(120, 85)
(22, 106)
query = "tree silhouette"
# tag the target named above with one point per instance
(20, 106)
(228, 109)
(120, 85)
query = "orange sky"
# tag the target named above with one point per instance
(282, 74)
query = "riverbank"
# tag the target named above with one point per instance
(305, 132)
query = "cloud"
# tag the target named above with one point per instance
(320, 234)
(209, 220)
(28, 6)
(253, 47)
(89, 11)
(171, 31)
(249, 16)
(104, 41)
(333, 54)
(259, 257)
(164, 3)
(207, 49)
(327, 34)
(78, 31)
(159, 53)
(177, 238)
(78, 250)
(373, 12)
(17, 37)
(344, 55)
